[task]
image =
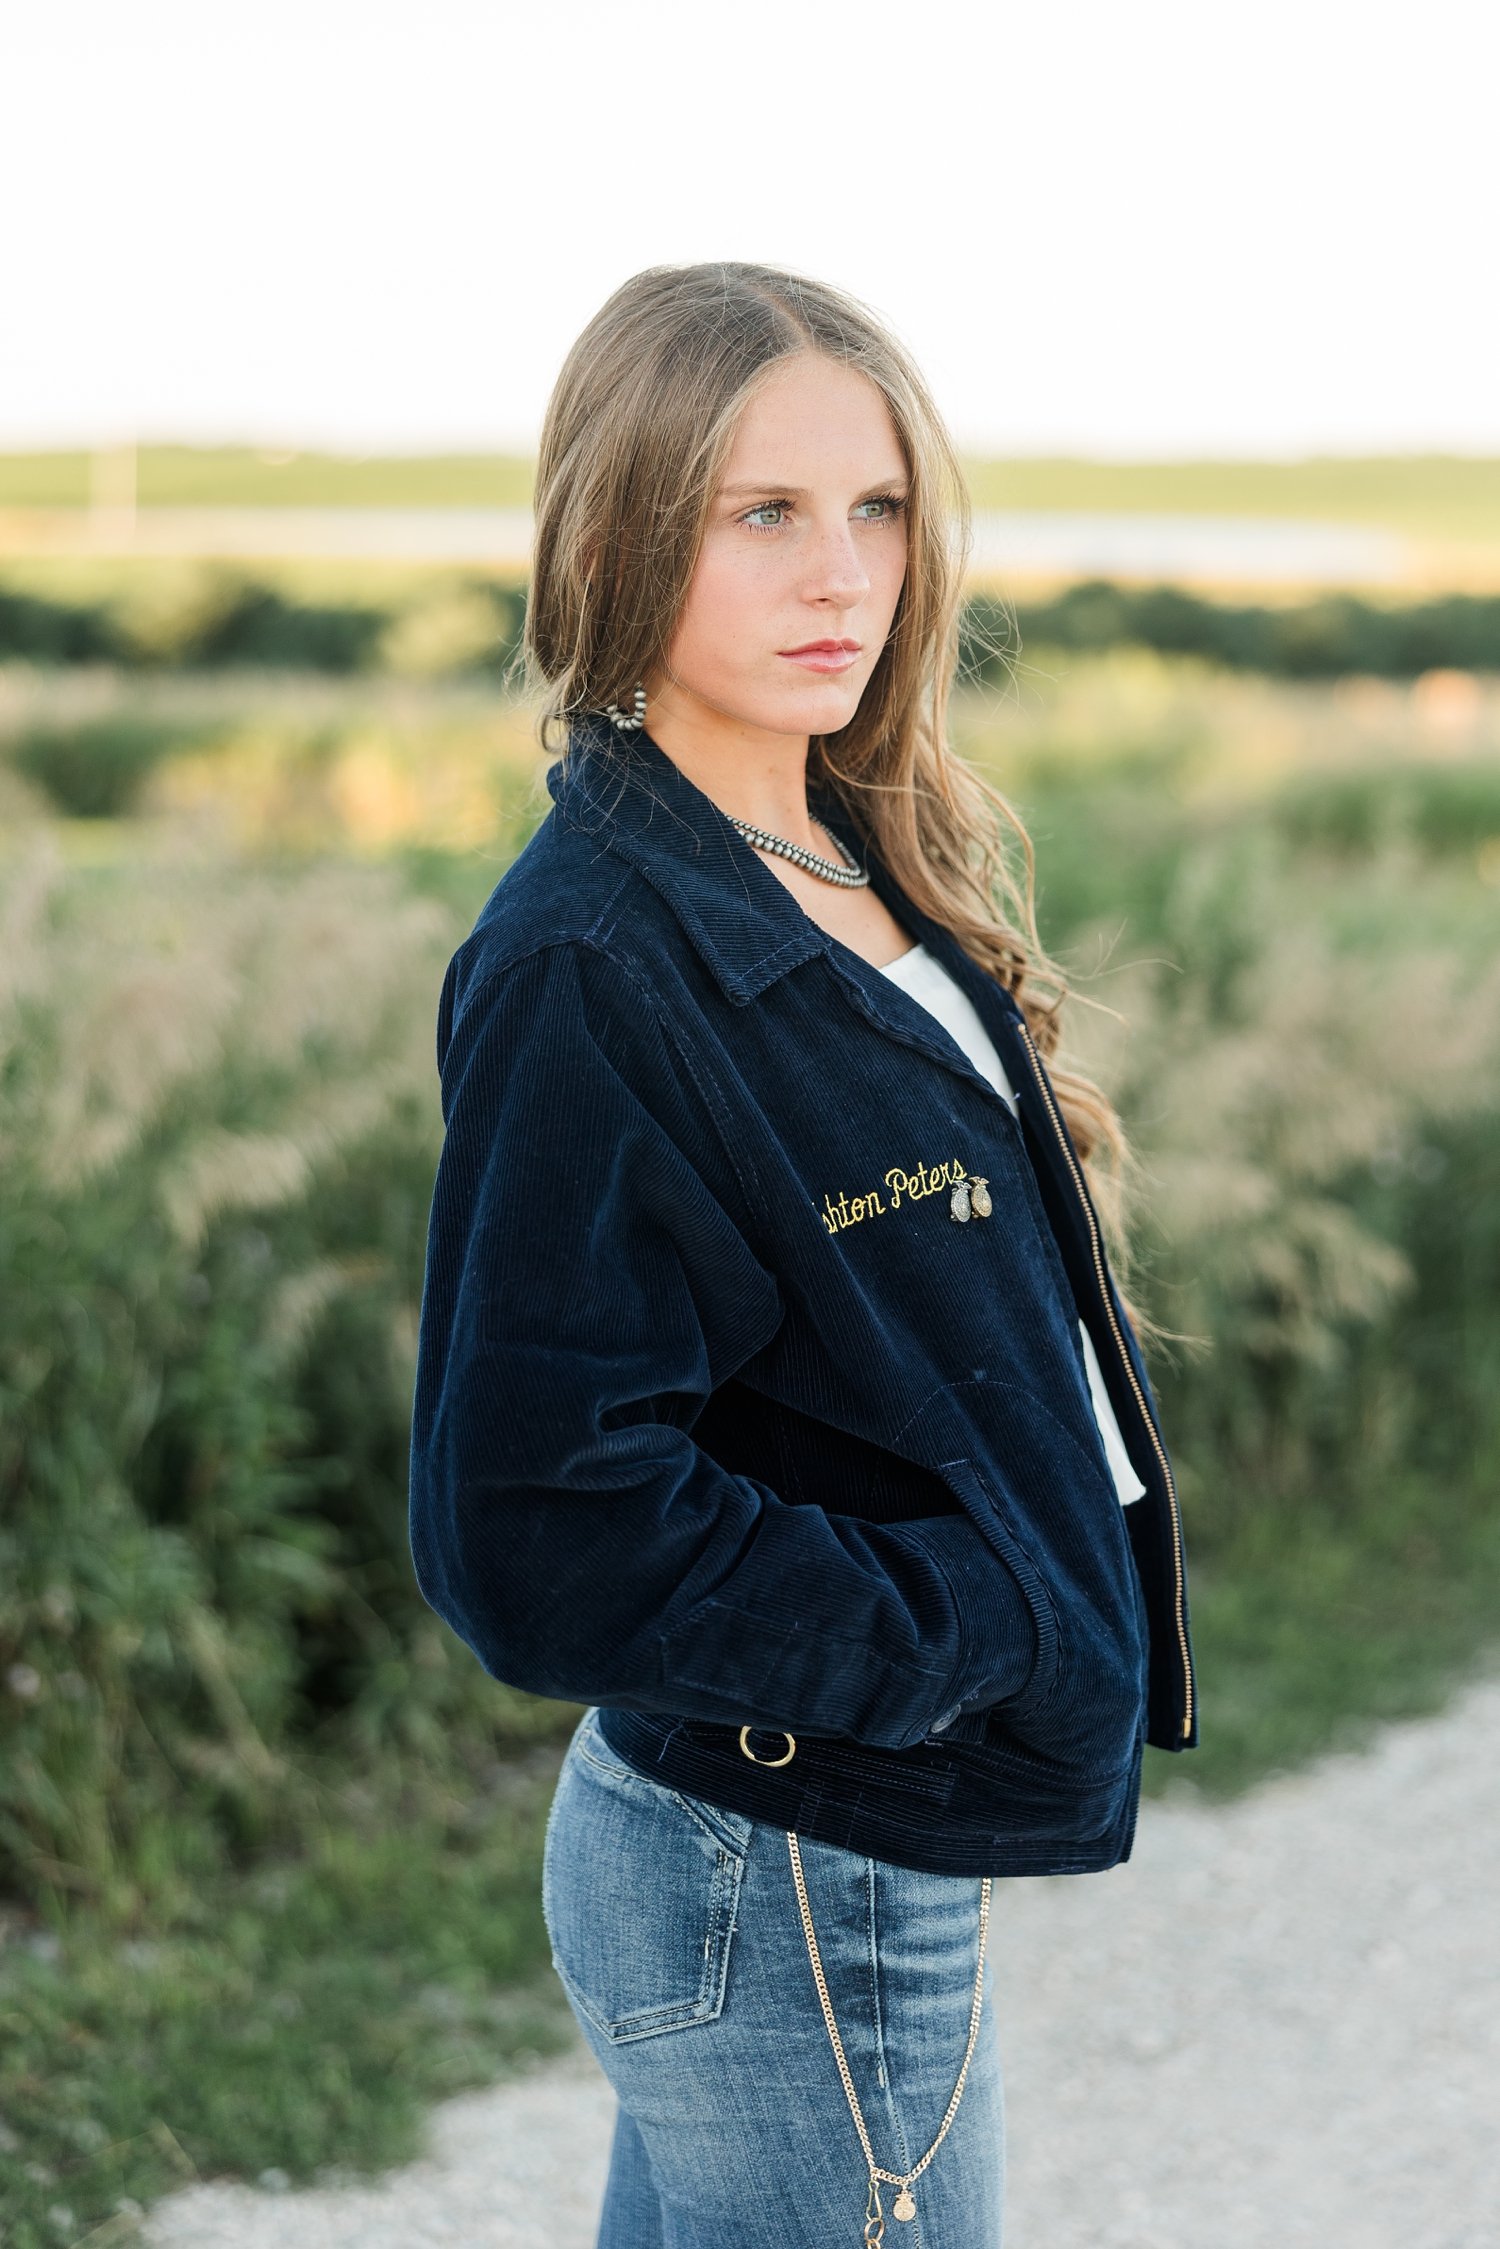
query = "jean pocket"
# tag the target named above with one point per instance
(640, 1889)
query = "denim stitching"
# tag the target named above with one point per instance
(692, 1806)
(684, 2014)
(888, 2075)
(873, 1942)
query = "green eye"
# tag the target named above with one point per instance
(767, 518)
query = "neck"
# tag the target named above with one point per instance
(747, 771)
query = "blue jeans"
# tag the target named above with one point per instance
(676, 1931)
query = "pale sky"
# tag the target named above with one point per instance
(1181, 226)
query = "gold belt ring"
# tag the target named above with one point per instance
(772, 1762)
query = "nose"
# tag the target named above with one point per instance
(836, 577)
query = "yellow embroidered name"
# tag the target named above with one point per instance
(850, 1210)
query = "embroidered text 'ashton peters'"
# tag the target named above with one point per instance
(966, 1194)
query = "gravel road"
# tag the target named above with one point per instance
(1280, 2024)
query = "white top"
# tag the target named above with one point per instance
(928, 983)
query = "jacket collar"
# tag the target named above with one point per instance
(630, 797)
(745, 925)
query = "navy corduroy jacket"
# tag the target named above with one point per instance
(723, 1420)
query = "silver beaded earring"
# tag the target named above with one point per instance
(617, 718)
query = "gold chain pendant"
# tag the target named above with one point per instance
(904, 2206)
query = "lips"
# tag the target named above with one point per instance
(823, 655)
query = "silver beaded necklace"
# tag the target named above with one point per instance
(844, 871)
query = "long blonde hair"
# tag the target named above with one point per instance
(637, 432)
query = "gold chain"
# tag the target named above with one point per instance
(904, 2206)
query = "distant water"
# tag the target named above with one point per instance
(396, 534)
(1259, 548)
(1051, 542)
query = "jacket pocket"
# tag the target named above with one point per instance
(1083, 1705)
(969, 1488)
(640, 1890)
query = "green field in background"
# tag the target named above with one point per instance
(1425, 496)
(1432, 496)
(189, 476)
(269, 1841)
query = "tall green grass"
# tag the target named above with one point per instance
(269, 1837)
(299, 2019)
(1286, 926)
(218, 1129)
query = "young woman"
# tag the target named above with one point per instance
(775, 1397)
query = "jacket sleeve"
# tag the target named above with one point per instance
(586, 1291)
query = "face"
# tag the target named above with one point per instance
(803, 560)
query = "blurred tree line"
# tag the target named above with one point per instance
(1327, 638)
(219, 619)
(469, 622)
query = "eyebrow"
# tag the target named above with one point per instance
(800, 491)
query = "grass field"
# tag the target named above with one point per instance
(184, 476)
(1432, 497)
(270, 1841)
(1427, 497)
(295, 2020)
(1249, 874)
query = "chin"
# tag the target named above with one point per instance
(823, 709)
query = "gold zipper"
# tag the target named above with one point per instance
(1109, 1306)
